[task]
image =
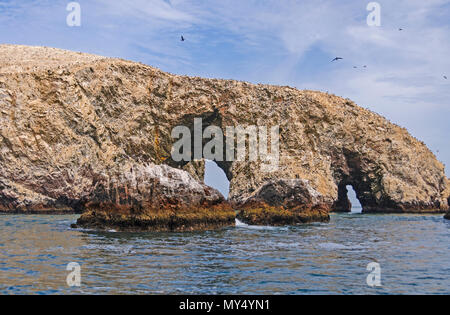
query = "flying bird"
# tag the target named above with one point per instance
(445, 77)
(336, 59)
(355, 67)
(400, 29)
(365, 66)
(182, 38)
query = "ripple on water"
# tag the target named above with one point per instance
(413, 251)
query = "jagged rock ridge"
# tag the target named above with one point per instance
(69, 119)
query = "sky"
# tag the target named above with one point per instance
(282, 42)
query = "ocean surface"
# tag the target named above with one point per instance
(413, 252)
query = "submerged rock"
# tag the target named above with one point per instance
(71, 122)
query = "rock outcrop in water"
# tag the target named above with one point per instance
(284, 202)
(70, 121)
(445, 194)
(154, 198)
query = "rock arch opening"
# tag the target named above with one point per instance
(215, 177)
(348, 200)
(216, 173)
(356, 206)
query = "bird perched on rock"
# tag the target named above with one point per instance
(336, 59)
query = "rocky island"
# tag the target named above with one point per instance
(93, 135)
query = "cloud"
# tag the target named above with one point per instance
(146, 10)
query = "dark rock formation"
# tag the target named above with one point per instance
(447, 193)
(71, 121)
(447, 216)
(343, 203)
(155, 198)
(284, 202)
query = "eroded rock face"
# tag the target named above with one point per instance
(154, 198)
(67, 118)
(284, 202)
(447, 193)
(289, 193)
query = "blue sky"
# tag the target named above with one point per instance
(282, 42)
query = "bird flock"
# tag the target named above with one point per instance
(335, 59)
(365, 66)
(340, 58)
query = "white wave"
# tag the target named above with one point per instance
(241, 224)
(332, 246)
(335, 246)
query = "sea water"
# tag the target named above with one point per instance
(323, 258)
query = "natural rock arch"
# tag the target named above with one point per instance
(367, 172)
(70, 119)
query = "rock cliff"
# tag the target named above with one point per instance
(70, 121)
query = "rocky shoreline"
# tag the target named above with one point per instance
(93, 135)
